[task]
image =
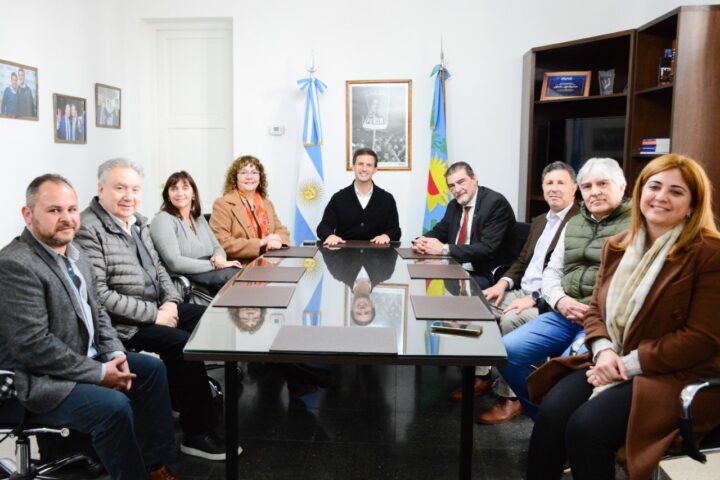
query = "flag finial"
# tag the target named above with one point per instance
(442, 54)
(313, 67)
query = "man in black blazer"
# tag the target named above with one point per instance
(478, 229)
(71, 370)
(362, 211)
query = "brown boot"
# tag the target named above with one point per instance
(502, 411)
(163, 473)
(481, 387)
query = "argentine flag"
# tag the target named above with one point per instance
(311, 187)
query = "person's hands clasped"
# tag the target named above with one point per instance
(219, 263)
(571, 309)
(427, 245)
(271, 242)
(608, 368)
(383, 239)
(333, 240)
(167, 315)
(520, 304)
(496, 292)
(117, 374)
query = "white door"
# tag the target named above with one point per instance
(194, 98)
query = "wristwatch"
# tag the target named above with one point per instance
(540, 302)
(445, 250)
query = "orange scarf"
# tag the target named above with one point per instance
(256, 214)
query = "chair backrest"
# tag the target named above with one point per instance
(522, 232)
(11, 413)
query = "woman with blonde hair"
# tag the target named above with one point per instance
(244, 219)
(651, 328)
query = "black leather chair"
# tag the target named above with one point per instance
(16, 422)
(522, 232)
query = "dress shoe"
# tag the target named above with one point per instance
(162, 473)
(502, 411)
(481, 388)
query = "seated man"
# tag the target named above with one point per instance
(515, 296)
(71, 370)
(481, 244)
(362, 211)
(141, 299)
(569, 279)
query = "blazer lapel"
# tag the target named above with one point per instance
(238, 211)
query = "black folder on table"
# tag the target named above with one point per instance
(450, 308)
(330, 340)
(292, 252)
(255, 273)
(239, 295)
(431, 270)
(410, 254)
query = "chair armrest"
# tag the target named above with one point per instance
(687, 396)
(183, 286)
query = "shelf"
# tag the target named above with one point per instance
(592, 98)
(647, 156)
(657, 89)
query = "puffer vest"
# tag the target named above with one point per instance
(584, 239)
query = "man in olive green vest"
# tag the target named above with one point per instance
(569, 278)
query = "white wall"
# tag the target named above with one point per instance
(484, 44)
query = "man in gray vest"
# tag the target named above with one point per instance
(142, 301)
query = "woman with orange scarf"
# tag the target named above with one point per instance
(244, 219)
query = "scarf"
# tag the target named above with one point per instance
(256, 214)
(633, 280)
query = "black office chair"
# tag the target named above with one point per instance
(16, 422)
(522, 232)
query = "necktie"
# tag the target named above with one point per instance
(462, 236)
(71, 272)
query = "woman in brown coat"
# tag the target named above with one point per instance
(244, 219)
(652, 327)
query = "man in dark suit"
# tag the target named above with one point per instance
(71, 370)
(515, 298)
(362, 211)
(480, 244)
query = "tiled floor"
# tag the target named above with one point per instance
(370, 423)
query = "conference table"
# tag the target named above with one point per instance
(352, 305)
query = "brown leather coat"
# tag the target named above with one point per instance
(230, 225)
(677, 334)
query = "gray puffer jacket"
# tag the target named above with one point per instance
(120, 278)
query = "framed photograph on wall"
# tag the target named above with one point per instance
(19, 90)
(379, 116)
(70, 123)
(108, 104)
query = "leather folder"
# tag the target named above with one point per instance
(255, 273)
(449, 308)
(330, 340)
(239, 295)
(410, 254)
(292, 252)
(445, 272)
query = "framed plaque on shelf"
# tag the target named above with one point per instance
(559, 85)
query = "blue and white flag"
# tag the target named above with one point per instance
(311, 186)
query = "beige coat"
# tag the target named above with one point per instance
(230, 225)
(677, 335)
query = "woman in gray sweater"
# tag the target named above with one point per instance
(183, 237)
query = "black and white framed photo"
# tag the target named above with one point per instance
(19, 90)
(108, 103)
(379, 116)
(70, 123)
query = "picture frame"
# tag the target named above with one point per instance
(108, 106)
(390, 307)
(562, 85)
(69, 119)
(18, 91)
(379, 116)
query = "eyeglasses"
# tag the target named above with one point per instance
(249, 173)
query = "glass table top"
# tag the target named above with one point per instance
(353, 288)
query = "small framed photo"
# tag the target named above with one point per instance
(108, 104)
(19, 90)
(559, 85)
(379, 116)
(70, 123)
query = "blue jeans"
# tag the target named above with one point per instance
(129, 430)
(529, 345)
